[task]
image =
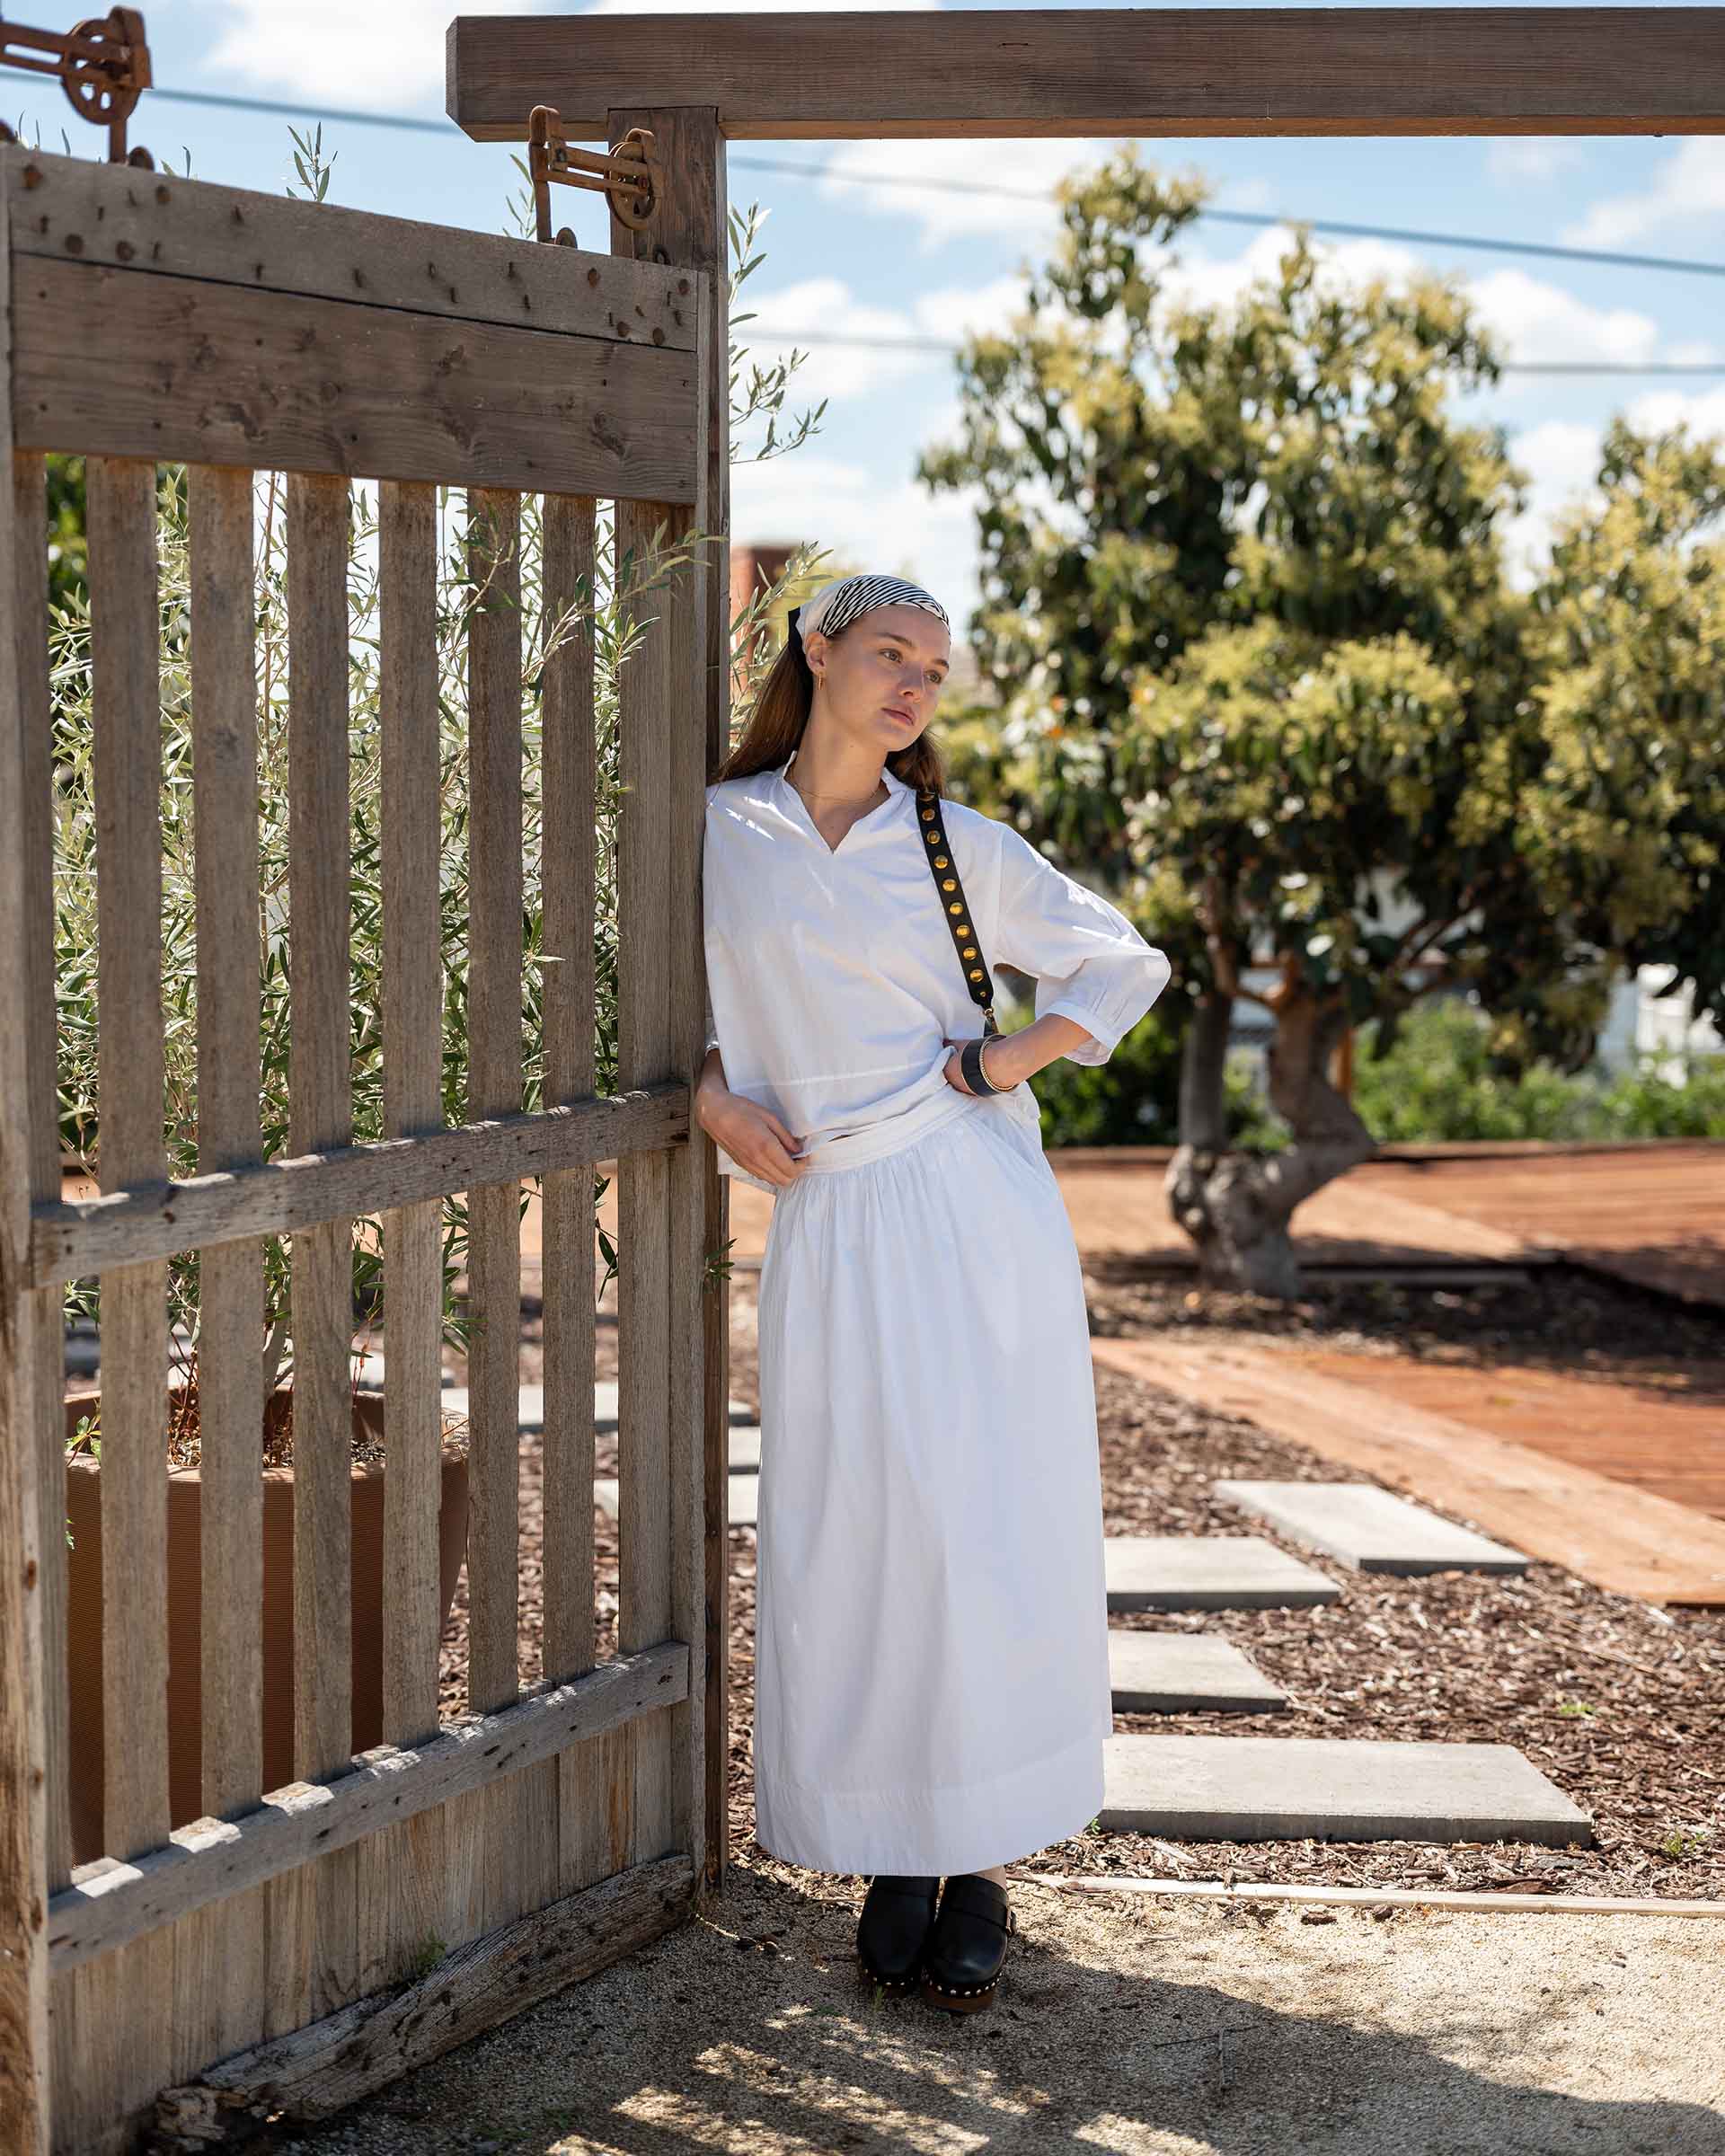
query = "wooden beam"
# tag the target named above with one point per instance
(319, 2070)
(71, 1241)
(109, 1902)
(114, 216)
(1024, 72)
(213, 373)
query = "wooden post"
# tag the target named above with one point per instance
(690, 228)
(29, 1333)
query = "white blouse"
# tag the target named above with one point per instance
(832, 982)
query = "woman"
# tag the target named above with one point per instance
(931, 1681)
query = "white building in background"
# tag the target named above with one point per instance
(1643, 1020)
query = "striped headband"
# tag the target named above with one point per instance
(836, 605)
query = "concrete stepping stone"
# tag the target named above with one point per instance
(530, 1415)
(745, 1436)
(1370, 1528)
(1273, 1789)
(1208, 1572)
(1184, 1673)
(741, 1499)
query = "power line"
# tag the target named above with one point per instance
(1266, 217)
(299, 112)
(1508, 366)
(1261, 219)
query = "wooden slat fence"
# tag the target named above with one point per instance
(560, 1820)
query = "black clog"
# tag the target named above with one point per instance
(966, 1944)
(897, 1913)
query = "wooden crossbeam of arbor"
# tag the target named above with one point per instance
(1187, 71)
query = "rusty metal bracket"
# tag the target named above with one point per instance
(630, 176)
(103, 65)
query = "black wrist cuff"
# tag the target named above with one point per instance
(971, 1064)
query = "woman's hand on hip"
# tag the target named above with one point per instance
(992, 1061)
(753, 1136)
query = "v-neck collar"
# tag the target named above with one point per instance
(897, 792)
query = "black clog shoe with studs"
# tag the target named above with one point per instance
(966, 1944)
(897, 1913)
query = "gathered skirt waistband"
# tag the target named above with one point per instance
(874, 1141)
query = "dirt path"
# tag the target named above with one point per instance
(1179, 2031)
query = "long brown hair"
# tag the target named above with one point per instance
(781, 716)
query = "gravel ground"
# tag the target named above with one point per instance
(1122, 2029)
(1622, 1706)
(1155, 2028)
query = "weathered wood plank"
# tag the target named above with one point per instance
(403, 1893)
(691, 229)
(127, 728)
(412, 1102)
(152, 222)
(230, 1280)
(319, 2070)
(216, 375)
(646, 1050)
(320, 1112)
(29, 1120)
(33, 1836)
(494, 900)
(69, 1241)
(219, 1960)
(570, 866)
(1028, 72)
(110, 2046)
(109, 1902)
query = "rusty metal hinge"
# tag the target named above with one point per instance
(103, 65)
(630, 177)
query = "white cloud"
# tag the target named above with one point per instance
(1689, 185)
(387, 52)
(1535, 320)
(1531, 319)
(1656, 411)
(859, 174)
(1561, 458)
(1513, 158)
(818, 305)
(869, 513)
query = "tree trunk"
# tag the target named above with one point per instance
(1237, 1207)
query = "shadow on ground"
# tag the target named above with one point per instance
(1121, 2024)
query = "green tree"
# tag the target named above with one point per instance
(1623, 822)
(1256, 666)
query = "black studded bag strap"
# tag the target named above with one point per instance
(944, 869)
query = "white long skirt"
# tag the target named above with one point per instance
(930, 1684)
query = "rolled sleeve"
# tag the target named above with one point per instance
(1090, 964)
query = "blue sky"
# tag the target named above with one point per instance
(847, 254)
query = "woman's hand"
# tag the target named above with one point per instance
(753, 1136)
(994, 1054)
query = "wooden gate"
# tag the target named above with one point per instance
(155, 321)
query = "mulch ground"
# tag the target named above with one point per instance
(1620, 1705)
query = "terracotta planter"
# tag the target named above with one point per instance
(185, 1715)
